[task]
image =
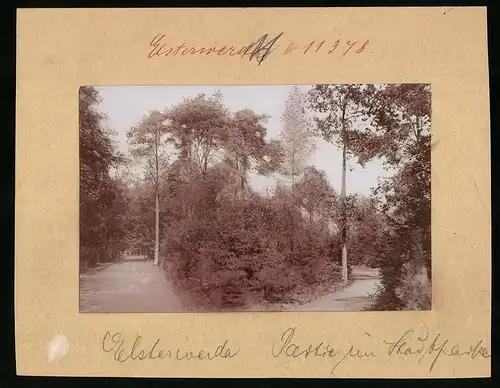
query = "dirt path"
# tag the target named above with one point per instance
(355, 297)
(129, 286)
(137, 286)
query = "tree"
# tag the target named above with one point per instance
(147, 143)
(198, 129)
(206, 133)
(314, 194)
(246, 148)
(296, 135)
(297, 142)
(367, 230)
(142, 225)
(340, 108)
(101, 197)
(400, 134)
(403, 137)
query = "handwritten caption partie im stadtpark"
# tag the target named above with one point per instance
(258, 50)
(416, 345)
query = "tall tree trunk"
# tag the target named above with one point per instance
(157, 231)
(242, 172)
(240, 183)
(293, 198)
(237, 178)
(242, 188)
(343, 233)
(310, 225)
(157, 200)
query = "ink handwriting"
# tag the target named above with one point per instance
(415, 344)
(434, 346)
(411, 345)
(289, 348)
(116, 344)
(258, 50)
(263, 49)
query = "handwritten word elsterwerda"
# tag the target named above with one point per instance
(138, 351)
(260, 49)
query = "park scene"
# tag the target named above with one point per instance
(255, 198)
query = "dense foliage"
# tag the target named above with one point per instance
(231, 249)
(402, 136)
(230, 246)
(103, 199)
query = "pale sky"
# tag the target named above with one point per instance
(126, 105)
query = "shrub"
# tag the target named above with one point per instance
(231, 250)
(405, 283)
(414, 289)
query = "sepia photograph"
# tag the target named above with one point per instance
(255, 198)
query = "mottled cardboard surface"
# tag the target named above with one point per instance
(61, 49)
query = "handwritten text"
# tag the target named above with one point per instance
(138, 351)
(287, 347)
(434, 346)
(260, 49)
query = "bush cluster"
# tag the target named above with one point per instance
(238, 252)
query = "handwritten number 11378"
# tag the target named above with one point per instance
(343, 47)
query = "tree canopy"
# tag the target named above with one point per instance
(222, 240)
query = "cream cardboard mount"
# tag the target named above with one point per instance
(60, 50)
